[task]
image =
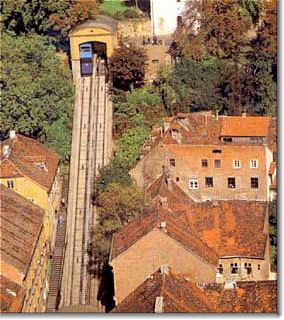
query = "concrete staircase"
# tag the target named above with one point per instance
(57, 260)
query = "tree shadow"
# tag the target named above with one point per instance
(106, 288)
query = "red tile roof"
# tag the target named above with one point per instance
(175, 196)
(141, 226)
(21, 223)
(231, 228)
(245, 126)
(12, 296)
(180, 295)
(25, 153)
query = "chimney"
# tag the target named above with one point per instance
(159, 305)
(163, 226)
(164, 202)
(164, 269)
(6, 151)
(169, 183)
(12, 134)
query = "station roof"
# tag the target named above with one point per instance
(99, 21)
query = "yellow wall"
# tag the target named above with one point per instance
(91, 34)
(30, 190)
(35, 284)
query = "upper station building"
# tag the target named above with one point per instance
(166, 15)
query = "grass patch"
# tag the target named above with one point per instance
(112, 7)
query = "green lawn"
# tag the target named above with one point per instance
(111, 7)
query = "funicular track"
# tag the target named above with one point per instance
(88, 156)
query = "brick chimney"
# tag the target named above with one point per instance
(12, 134)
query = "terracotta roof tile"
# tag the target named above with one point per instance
(245, 126)
(25, 154)
(21, 223)
(175, 196)
(141, 226)
(232, 228)
(12, 296)
(180, 295)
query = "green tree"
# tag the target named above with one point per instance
(114, 172)
(164, 86)
(37, 89)
(118, 204)
(139, 107)
(127, 67)
(129, 144)
(45, 17)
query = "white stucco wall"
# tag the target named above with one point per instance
(164, 15)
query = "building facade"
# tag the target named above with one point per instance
(31, 170)
(24, 252)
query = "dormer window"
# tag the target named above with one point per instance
(41, 165)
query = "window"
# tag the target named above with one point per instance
(236, 164)
(209, 182)
(217, 151)
(177, 179)
(10, 184)
(234, 268)
(172, 162)
(253, 164)
(155, 61)
(258, 267)
(204, 163)
(217, 163)
(231, 183)
(248, 268)
(254, 183)
(227, 139)
(193, 183)
(220, 269)
(179, 21)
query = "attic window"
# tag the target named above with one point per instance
(41, 165)
(234, 268)
(216, 151)
(172, 162)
